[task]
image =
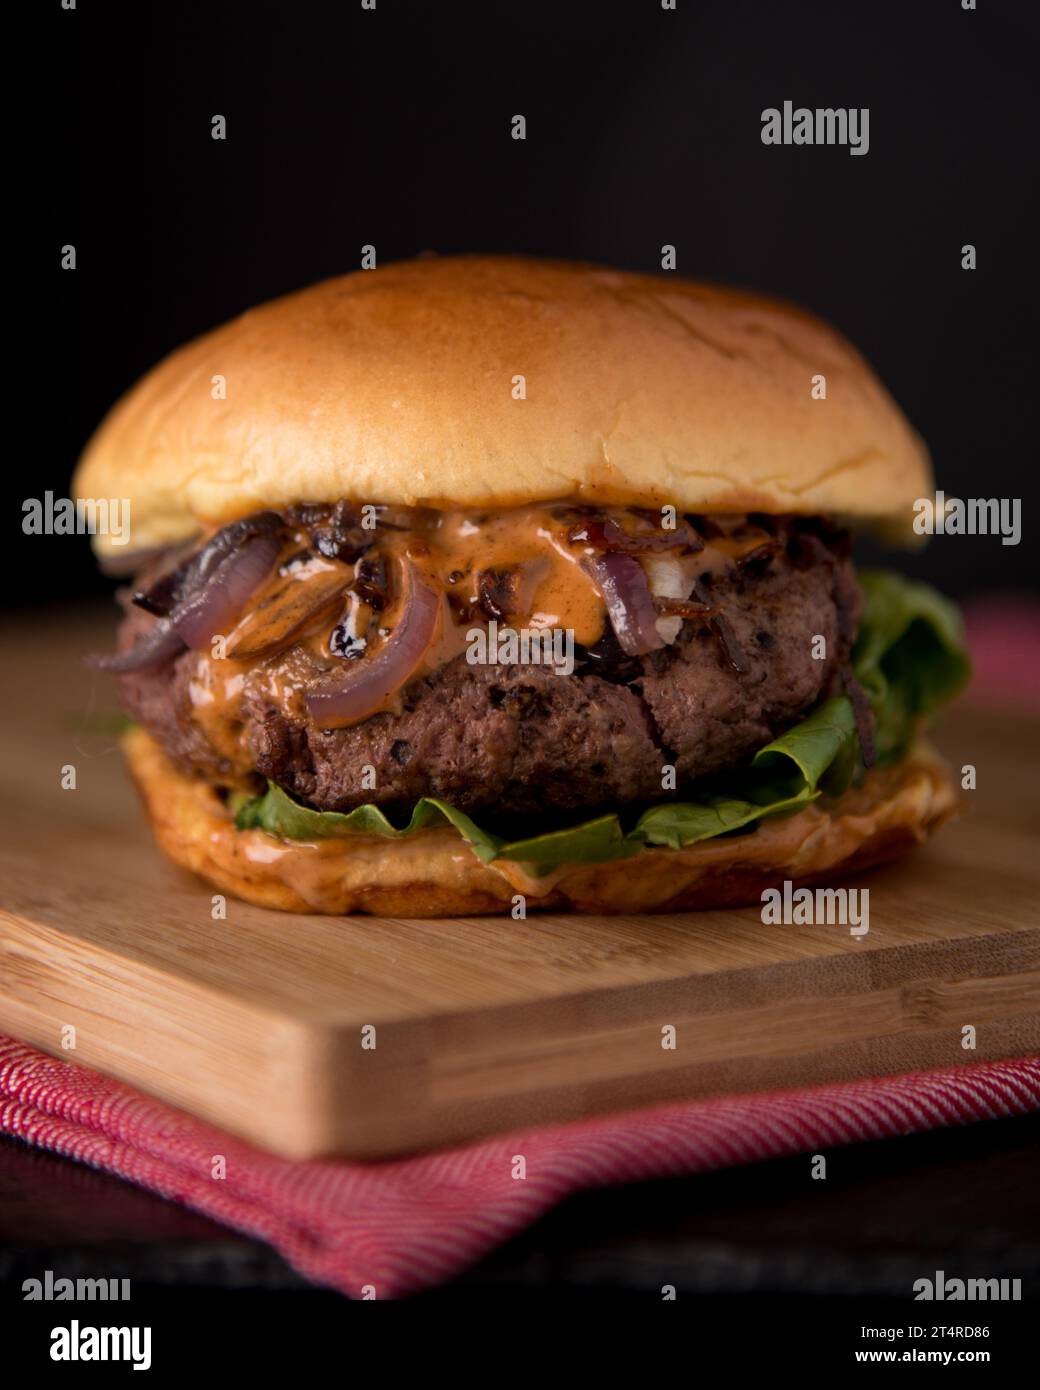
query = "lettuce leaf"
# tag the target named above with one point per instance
(593, 842)
(277, 811)
(784, 776)
(909, 656)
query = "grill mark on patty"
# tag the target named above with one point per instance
(668, 755)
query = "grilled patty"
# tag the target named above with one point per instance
(523, 739)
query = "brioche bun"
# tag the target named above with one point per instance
(433, 873)
(398, 385)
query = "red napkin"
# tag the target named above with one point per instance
(394, 1227)
(1003, 633)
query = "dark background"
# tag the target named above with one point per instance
(643, 127)
(393, 127)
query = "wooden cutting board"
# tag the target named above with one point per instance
(258, 1023)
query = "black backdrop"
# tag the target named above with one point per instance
(392, 127)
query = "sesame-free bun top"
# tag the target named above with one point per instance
(494, 381)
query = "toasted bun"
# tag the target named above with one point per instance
(399, 385)
(434, 874)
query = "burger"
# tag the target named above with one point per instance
(479, 584)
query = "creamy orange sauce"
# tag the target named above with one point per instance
(216, 691)
(320, 871)
(556, 593)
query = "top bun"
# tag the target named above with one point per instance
(400, 385)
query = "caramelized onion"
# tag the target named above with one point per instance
(340, 534)
(197, 596)
(364, 688)
(281, 616)
(187, 576)
(728, 644)
(211, 607)
(370, 581)
(215, 606)
(499, 592)
(630, 608)
(755, 562)
(683, 608)
(154, 649)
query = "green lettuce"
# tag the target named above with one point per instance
(909, 657)
(591, 843)
(784, 776)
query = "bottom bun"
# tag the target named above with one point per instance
(434, 874)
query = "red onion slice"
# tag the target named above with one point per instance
(154, 649)
(189, 570)
(366, 686)
(218, 603)
(622, 583)
(212, 608)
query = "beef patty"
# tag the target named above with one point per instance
(523, 739)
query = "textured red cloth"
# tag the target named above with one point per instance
(407, 1224)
